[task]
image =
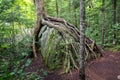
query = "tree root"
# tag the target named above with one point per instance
(65, 28)
(34, 49)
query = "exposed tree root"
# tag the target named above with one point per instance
(65, 28)
(34, 49)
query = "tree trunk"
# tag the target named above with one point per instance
(73, 13)
(103, 19)
(57, 8)
(70, 7)
(39, 4)
(114, 14)
(75, 16)
(82, 40)
(114, 19)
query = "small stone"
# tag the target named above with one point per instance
(118, 77)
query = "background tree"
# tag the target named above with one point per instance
(114, 19)
(82, 40)
(57, 8)
(15, 17)
(103, 17)
(39, 4)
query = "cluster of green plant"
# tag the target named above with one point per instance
(14, 45)
(18, 72)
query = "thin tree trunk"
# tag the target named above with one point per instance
(114, 6)
(103, 19)
(82, 40)
(69, 6)
(39, 4)
(57, 8)
(71, 11)
(114, 19)
(75, 17)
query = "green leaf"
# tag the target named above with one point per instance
(28, 62)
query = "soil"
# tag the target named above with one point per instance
(104, 68)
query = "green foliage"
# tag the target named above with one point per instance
(33, 76)
(18, 72)
(45, 73)
(115, 30)
(18, 14)
(14, 15)
(114, 48)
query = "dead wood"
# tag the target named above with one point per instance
(65, 27)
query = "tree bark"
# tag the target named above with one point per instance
(75, 16)
(57, 8)
(114, 14)
(82, 40)
(73, 13)
(103, 19)
(39, 4)
(114, 19)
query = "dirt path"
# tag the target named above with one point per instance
(104, 68)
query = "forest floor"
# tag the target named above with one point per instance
(103, 68)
